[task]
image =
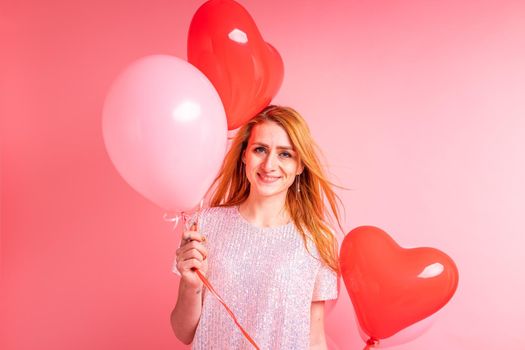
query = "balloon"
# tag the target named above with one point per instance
(403, 336)
(391, 287)
(225, 44)
(164, 129)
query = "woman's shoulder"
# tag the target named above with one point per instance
(311, 238)
(214, 212)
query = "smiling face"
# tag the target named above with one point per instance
(271, 161)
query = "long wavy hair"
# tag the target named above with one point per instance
(313, 207)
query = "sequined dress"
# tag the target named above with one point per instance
(268, 279)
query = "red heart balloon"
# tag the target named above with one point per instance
(392, 287)
(225, 44)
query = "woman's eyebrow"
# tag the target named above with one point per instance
(278, 147)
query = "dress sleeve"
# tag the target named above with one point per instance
(325, 287)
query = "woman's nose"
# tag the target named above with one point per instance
(270, 162)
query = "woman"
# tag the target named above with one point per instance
(264, 244)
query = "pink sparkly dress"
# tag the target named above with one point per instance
(266, 277)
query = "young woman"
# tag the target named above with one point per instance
(265, 244)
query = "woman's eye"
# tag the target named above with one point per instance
(259, 149)
(286, 155)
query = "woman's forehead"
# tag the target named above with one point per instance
(271, 134)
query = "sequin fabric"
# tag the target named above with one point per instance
(268, 279)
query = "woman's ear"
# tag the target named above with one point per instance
(300, 169)
(243, 156)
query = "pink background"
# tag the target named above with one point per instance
(418, 105)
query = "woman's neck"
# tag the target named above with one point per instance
(265, 212)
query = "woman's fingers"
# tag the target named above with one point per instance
(193, 249)
(188, 265)
(194, 245)
(192, 254)
(191, 235)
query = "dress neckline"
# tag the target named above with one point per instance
(259, 228)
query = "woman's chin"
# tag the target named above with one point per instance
(267, 191)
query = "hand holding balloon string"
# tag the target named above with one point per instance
(191, 257)
(193, 265)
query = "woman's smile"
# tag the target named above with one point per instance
(267, 179)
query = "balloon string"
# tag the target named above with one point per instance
(212, 290)
(176, 219)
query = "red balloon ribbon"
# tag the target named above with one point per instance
(212, 290)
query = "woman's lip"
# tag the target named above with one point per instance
(268, 178)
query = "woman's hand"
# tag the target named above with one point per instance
(190, 256)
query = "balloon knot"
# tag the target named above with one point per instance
(372, 341)
(175, 218)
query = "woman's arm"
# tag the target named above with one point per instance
(317, 337)
(186, 314)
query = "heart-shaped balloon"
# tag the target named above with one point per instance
(392, 287)
(225, 44)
